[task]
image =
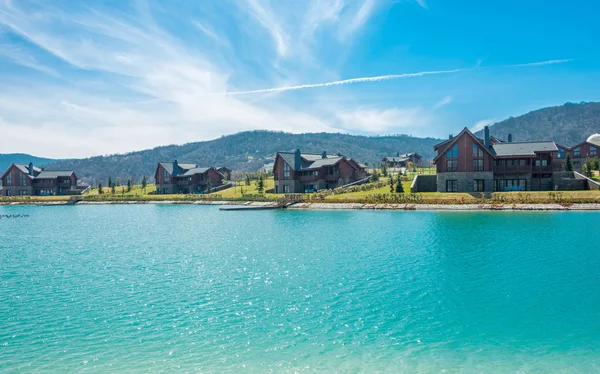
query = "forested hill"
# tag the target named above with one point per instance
(246, 151)
(8, 159)
(567, 124)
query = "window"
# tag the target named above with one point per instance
(286, 171)
(286, 189)
(593, 151)
(452, 186)
(316, 173)
(478, 185)
(541, 163)
(577, 152)
(477, 165)
(23, 179)
(522, 162)
(453, 152)
(8, 179)
(561, 153)
(165, 176)
(23, 192)
(510, 184)
(477, 152)
(499, 162)
(451, 165)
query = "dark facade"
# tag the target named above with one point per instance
(28, 180)
(466, 163)
(402, 160)
(297, 172)
(185, 178)
(581, 152)
(225, 171)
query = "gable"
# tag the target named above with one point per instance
(462, 134)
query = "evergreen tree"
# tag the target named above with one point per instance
(261, 184)
(144, 183)
(588, 168)
(129, 185)
(247, 179)
(110, 182)
(100, 192)
(399, 187)
(112, 189)
(391, 184)
(384, 170)
(568, 164)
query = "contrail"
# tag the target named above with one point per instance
(549, 62)
(346, 81)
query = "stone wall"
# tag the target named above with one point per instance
(424, 183)
(465, 180)
(591, 184)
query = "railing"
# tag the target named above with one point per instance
(512, 169)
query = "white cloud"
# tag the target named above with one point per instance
(394, 120)
(445, 101)
(542, 63)
(422, 4)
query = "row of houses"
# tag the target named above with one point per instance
(466, 163)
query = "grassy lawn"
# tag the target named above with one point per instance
(136, 190)
(236, 191)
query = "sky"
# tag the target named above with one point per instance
(85, 78)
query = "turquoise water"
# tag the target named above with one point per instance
(189, 288)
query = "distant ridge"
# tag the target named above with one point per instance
(8, 159)
(568, 124)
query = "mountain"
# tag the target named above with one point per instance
(567, 124)
(8, 159)
(246, 151)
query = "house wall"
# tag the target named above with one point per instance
(158, 176)
(465, 180)
(465, 156)
(15, 188)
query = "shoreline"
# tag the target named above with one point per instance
(342, 206)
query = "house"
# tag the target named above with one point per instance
(29, 180)
(402, 160)
(225, 171)
(297, 172)
(466, 163)
(186, 178)
(582, 151)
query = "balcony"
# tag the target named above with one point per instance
(512, 169)
(332, 178)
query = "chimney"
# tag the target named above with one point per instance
(31, 169)
(398, 154)
(324, 154)
(175, 167)
(510, 138)
(297, 160)
(486, 131)
(450, 136)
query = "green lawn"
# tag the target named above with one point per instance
(252, 189)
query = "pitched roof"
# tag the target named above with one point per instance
(451, 142)
(195, 171)
(168, 166)
(312, 160)
(329, 161)
(25, 168)
(52, 174)
(523, 148)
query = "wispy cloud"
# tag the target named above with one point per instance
(346, 81)
(541, 63)
(422, 4)
(445, 101)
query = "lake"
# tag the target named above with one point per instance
(127, 288)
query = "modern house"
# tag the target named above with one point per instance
(29, 180)
(582, 151)
(466, 163)
(185, 178)
(225, 171)
(402, 160)
(297, 172)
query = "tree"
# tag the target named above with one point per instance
(384, 169)
(391, 184)
(110, 182)
(118, 181)
(399, 186)
(208, 188)
(261, 184)
(112, 189)
(247, 179)
(129, 185)
(596, 161)
(568, 164)
(144, 183)
(410, 166)
(588, 168)
(100, 192)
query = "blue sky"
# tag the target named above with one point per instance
(82, 78)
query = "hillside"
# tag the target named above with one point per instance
(246, 151)
(8, 159)
(567, 124)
